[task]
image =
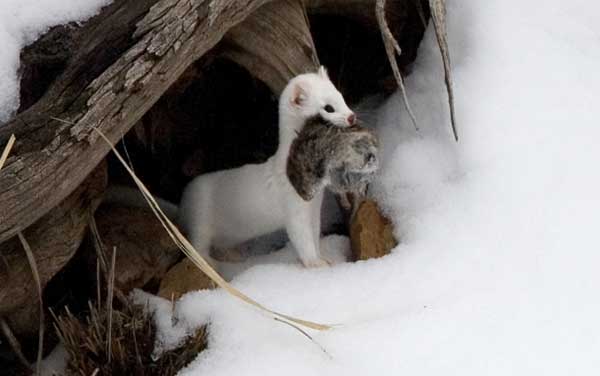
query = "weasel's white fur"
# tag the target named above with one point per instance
(225, 208)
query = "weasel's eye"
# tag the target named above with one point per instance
(329, 108)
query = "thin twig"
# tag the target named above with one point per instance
(438, 16)
(7, 148)
(13, 342)
(38, 283)
(392, 48)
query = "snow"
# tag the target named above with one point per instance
(496, 272)
(21, 23)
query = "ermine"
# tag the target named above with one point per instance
(342, 159)
(225, 208)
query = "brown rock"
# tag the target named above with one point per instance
(182, 278)
(371, 233)
(144, 249)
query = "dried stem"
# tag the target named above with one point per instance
(438, 16)
(38, 283)
(109, 302)
(7, 148)
(392, 48)
(13, 342)
(101, 257)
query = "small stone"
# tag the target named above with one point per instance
(371, 233)
(182, 278)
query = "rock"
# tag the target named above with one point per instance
(182, 278)
(371, 233)
(144, 249)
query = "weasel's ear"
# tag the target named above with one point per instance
(299, 95)
(323, 73)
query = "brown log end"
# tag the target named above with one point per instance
(371, 233)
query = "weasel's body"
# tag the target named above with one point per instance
(226, 208)
(232, 197)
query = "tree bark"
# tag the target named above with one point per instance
(272, 47)
(130, 55)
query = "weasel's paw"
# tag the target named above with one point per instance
(316, 263)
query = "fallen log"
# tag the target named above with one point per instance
(130, 56)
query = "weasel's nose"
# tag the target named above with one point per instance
(351, 119)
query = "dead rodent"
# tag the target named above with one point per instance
(342, 158)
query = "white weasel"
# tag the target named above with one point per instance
(226, 208)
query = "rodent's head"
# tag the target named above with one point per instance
(313, 94)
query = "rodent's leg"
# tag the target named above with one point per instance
(301, 232)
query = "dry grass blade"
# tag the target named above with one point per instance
(307, 336)
(188, 249)
(98, 292)
(38, 282)
(438, 16)
(101, 259)
(7, 148)
(392, 48)
(13, 342)
(109, 302)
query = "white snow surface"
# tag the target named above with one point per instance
(21, 23)
(497, 270)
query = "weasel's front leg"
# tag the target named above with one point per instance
(301, 232)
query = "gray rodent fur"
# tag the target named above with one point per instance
(342, 158)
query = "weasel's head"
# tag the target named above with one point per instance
(311, 94)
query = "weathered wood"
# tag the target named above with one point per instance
(54, 239)
(153, 42)
(272, 47)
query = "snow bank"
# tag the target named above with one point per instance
(497, 272)
(21, 23)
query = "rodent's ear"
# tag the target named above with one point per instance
(299, 95)
(323, 73)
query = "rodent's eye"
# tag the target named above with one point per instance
(329, 108)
